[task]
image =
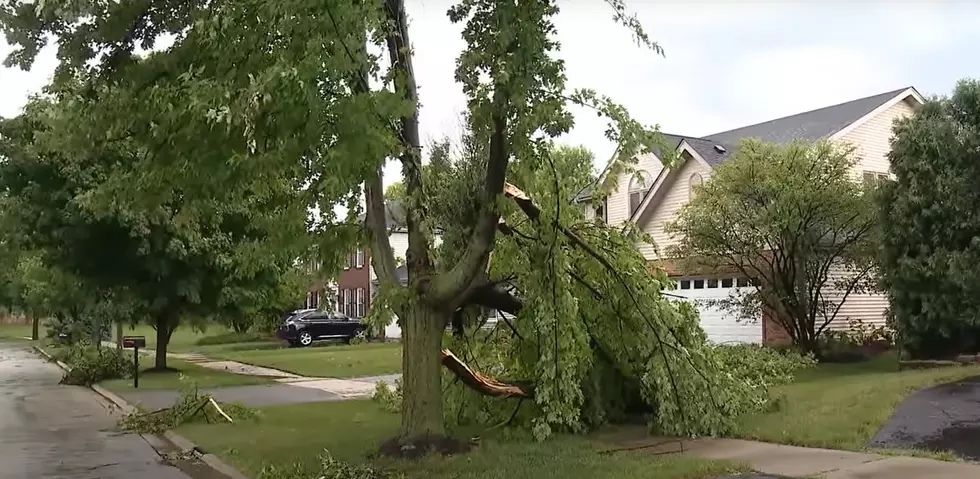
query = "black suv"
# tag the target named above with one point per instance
(305, 326)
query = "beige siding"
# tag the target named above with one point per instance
(674, 194)
(867, 308)
(872, 139)
(619, 199)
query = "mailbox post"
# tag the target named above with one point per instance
(135, 342)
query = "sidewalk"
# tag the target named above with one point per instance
(792, 461)
(352, 388)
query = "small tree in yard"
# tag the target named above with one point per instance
(930, 226)
(792, 218)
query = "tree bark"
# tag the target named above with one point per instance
(164, 330)
(421, 374)
(119, 334)
(35, 323)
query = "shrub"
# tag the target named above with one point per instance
(91, 365)
(859, 342)
(69, 331)
(390, 398)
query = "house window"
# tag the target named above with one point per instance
(874, 179)
(685, 284)
(345, 304)
(360, 303)
(699, 284)
(639, 184)
(600, 211)
(712, 283)
(742, 282)
(309, 299)
(727, 282)
(359, 258)
(693, 182)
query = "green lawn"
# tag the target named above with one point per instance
(297, 434)
(203, 377)
(16, 331)
(370, 359)
(184, 338)
(841, 406)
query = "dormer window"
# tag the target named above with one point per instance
(694, 181)
(640, 183)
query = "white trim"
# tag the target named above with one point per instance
(685, 146)
(909, 92)
(648, 204)
(644, 204)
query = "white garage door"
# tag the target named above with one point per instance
(721, 325)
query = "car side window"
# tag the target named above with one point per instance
(315, 317)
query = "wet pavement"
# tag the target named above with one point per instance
(941, 418)
(63, 432)
(253, 396)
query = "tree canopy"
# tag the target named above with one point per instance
(794, 220)
(930, 226)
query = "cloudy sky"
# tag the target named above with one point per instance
(727, 64)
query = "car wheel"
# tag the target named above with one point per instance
(305, 338)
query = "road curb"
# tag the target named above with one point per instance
(181, 442)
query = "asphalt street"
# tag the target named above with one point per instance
(64, 432)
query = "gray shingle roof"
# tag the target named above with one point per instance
(810, 125)
(394, 214)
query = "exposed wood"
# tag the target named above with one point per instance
(485, 385)
(218, 408)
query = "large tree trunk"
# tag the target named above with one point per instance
(35, 323)
(421, 374)
(164, 330)
(119, 334)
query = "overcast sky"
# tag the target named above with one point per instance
(727, 64)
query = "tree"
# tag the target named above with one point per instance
(791, 218)
(930, 225)
(290, 90)
(179, 248)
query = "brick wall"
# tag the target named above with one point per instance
(773, 332)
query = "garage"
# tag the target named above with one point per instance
(720, 325)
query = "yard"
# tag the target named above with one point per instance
(298, 434)
(333, 361)
(199, 375)
(16, 331)
(841, 406)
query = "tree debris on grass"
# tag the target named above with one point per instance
(190, 407)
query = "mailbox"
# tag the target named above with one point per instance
(134, 341)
